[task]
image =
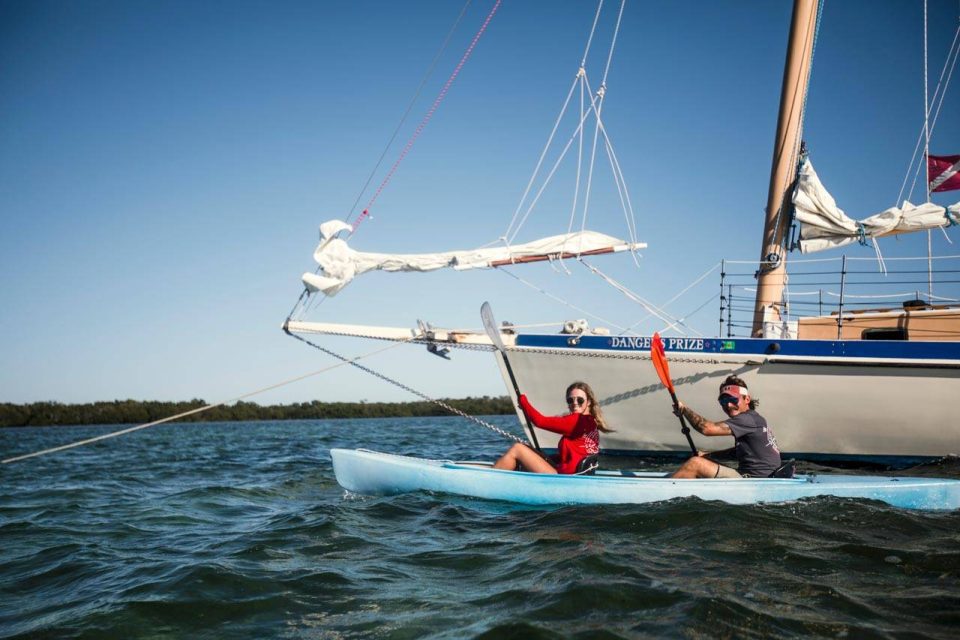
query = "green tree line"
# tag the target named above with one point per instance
(140, 412)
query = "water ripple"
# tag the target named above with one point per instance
(241, 531)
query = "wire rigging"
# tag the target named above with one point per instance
(426, 118)
(191, 412)
(413, 101)
(591, 107)
(352, 362)
(916, 164)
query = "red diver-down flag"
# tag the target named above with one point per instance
(943, 172)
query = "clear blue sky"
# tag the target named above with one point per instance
(164, 167)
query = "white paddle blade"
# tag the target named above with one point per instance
(490, 326)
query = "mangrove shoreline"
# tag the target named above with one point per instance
(38, 414)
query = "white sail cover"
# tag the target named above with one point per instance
(340, 264)
(823, 225)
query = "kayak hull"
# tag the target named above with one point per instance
(374, 473)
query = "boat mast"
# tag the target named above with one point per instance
(771, 277)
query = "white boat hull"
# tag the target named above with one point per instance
(372, 473)
(821, 398)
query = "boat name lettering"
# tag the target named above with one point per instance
(685, 344)
(623, 342)
(675, 344)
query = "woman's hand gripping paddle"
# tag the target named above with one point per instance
(659, 357)
(490, 326)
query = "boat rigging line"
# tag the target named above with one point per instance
(397, 383)
(413, 101)
(672, 323)
(562, 301)
(343, 361)
(426, 118)
(593, 107)
(652, 311)
(937, 99)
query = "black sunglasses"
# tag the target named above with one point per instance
(578, 400)
(725, 399)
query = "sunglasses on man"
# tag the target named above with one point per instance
(726, 399)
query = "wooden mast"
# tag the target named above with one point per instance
(772, 274)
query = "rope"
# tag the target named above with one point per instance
(413, 101)
(625, 202)
(677, 296)
(563, 302)
(588, 189)
(938, 98)
(114, 434)
(613, 43)
(507, 236)
(593, 30)
(926, 99)
(399, 384)
(621, 183)
(543, 154)
(578, 176)
(646, 304)
(618, 178)
(595, 107)
(553, 170)
(601, 93)
(426, 118)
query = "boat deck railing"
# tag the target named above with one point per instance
(837, 290)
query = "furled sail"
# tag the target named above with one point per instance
(340, 264)
(823, 225)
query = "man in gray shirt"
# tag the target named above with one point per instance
(757, 453)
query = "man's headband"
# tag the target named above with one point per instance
(734, 390)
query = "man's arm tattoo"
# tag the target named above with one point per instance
(696, 420)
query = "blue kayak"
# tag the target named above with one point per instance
(373, 473)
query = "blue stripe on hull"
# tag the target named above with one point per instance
(881, 349)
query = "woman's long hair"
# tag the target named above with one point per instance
(740, 383)
(594, 405)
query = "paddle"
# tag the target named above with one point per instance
(490, 326)
(659, 357)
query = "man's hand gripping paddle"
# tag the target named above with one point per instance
(659, 357)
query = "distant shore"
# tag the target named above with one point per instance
(140, 412)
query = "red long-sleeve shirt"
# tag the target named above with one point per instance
(581, 437)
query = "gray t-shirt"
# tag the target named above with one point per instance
(757, 452)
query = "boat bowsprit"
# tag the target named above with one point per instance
(372, 473)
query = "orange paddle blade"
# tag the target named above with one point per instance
(660, 361)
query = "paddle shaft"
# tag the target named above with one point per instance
(516, 390)
(659, 358)
(490, 326)
(683, 423)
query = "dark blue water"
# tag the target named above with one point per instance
(240, 530)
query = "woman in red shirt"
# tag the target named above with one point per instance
(580, 430)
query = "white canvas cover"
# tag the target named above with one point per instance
(824, 225)
(340, 264)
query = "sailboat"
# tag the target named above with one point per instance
(885, 381)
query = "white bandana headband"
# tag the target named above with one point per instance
(734, 390)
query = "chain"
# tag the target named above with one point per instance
(385, 378)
